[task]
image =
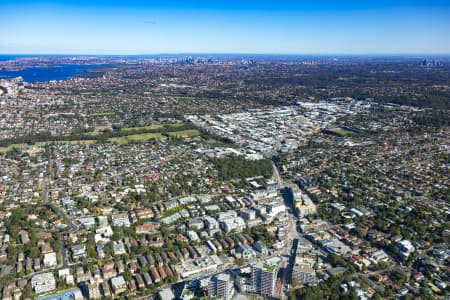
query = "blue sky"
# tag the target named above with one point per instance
(287, 27)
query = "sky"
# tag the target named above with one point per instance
(256, 27)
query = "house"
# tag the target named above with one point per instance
(118, 284)
(102, 221)
(132, 265)
(100, 251)
(3, 255)
(196, 224)
(405, 247)
(142, 260)
(46, 248)
(37, 264)
(139, 281)
(108, 270)
(211, 223)
(145, 213)
(211, 246)
(96, 272)
(147, 227)
(24, 238)
(162, 272)
(82, 275)
(187, 200)
(131, 286)
(105, 210)
(119, 248)
(170, 204)
(29, 264)
(381, 277)
(104, 231)
(155, 275)
(120, 220)
(192, 235)
(105, 289)
(147, 279)
(78, 251)
(261, 247)
(360, 262)
(334, 246)
(120, 267)
(86, 222)
(379, 256)
(93, 290)
(244, 251)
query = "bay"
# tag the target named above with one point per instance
(45, 74)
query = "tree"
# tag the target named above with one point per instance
(34, 252)
(336, 260)
(28, 291)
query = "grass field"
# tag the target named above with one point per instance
(82, 142)
(345, 78)
(77, 142)
(184, 97)
(185, 133)
(20, 146)
(101, 127)
(135, 137)
(90, 133)
(152, 127)
(93, 136)
(93, 133)
(342, 132)
(42, 144)
(102, 114)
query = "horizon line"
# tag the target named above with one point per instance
(233, 53)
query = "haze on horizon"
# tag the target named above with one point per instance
(258, 27)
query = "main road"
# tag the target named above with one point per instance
(56, 208)
(276, 174)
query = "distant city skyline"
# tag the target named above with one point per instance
(257, 27)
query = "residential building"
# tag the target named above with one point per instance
(221, 286)
(263, 278)
(44, 282)
(237, 224)
(50, 260)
